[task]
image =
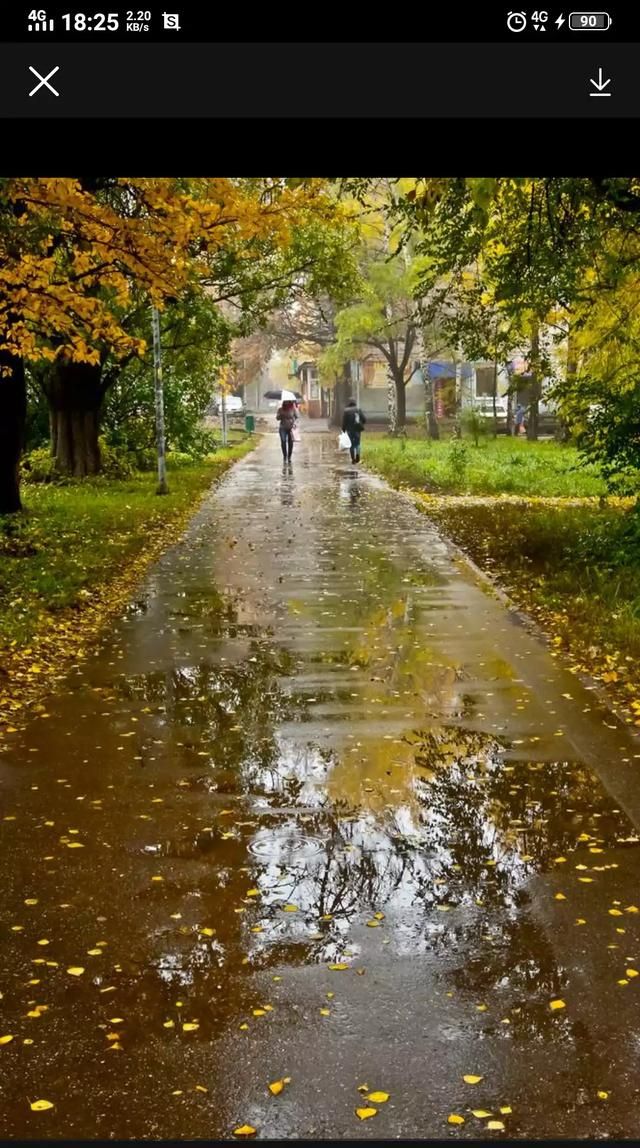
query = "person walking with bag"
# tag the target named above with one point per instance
(353, 423)
(287, 417)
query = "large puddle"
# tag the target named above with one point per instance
(313, 741)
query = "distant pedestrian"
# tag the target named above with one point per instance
(287, 416)
(519, 419)
(353, 424)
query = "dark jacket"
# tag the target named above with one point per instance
(353, 420)
(287, 417)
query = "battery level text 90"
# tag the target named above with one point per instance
(589, 21)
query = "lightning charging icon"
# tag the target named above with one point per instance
(560, 21)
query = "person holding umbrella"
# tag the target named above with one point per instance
(287, 417)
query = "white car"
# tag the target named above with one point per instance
(484, 406)
(233, 405)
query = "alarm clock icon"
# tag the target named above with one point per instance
(517, 21)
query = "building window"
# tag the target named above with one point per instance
(484, 380)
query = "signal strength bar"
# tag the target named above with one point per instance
(42, 26)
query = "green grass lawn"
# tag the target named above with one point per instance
(73, 540)
(73, 558)
(496, 466)
(514, 507)
(579, 565)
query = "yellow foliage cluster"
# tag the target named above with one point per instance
(73, 259)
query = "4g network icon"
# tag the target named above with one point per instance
(517, 21)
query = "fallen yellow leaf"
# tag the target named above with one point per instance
(75, 971)
(481, 1113)
(325, 1012)
(554, 1005)
(190, 1026)
(366, 1113)
(603, 1095)
(472, 1079)
(253, 893)
(339, 967)
(259, 1012)
(378, 1097)
(291, 908)
(276, 1088)
(40, 1105)
(5, 1039)
(631, 972)
(207, 932)
(169, 1024)
(455, 1119)
(495, 1126)
(244, 1130)
(506, 1110)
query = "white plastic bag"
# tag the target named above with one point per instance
(344, 442)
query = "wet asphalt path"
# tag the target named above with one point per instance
(314, 740)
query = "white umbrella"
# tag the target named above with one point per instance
(288, 397)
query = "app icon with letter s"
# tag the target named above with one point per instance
(171, 21)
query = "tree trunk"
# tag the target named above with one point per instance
(495, 398)
(74, 392)
(392, 403)
(532, 425)
(563, 432)
(401, 402)
(433, 429)
(342, 394)
(510, 412)
(13, 414)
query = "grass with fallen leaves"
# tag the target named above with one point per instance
(504, 465)
(576, 568)
(72, 558)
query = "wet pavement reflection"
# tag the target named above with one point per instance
(319, 808)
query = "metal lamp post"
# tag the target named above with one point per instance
(159, 392)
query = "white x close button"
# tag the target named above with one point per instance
(44, 81)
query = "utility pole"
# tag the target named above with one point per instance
(223, 414)
(160, 437)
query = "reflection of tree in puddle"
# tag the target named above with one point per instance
(219, 717)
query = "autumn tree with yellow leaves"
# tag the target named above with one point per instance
(81, 259)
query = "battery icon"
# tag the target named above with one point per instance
(589, 21)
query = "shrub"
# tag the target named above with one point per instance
(458, 461)
(117, 462)
(39, 465)
(473, 424)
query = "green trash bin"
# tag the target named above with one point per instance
(249, 424)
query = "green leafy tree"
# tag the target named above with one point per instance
(385, 320)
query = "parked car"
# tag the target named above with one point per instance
(233, 403)
(484, 406)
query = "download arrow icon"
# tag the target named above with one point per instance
(600, 84)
